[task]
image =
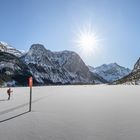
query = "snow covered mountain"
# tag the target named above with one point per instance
(12, 70)
(110, 72)
(133, 77)
(4, 47)
(136, 66)
(64, 67)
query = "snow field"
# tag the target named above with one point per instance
(71, 113)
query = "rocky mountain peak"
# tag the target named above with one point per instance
(4, 47)
(37, 48)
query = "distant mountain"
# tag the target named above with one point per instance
(133, 77)
(110, 72)
(4, 47)
(64, 67)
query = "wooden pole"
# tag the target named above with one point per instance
(30, 102)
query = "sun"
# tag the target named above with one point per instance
(86, 39)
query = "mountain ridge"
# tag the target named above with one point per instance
(5, 47)
(110, 72)
(134, 77)
(64, 67)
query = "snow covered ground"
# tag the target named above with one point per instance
(71, 113)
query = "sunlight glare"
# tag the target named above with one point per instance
(86, 39)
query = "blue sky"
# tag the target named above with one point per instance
(54, 23)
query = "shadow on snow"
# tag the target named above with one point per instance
(17, 107)
(14, 117)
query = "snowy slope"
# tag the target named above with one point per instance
(12, 70)
(134, 77)
(71, 113)
(111, 72)
(4, 47)
(136, 66)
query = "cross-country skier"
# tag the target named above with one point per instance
(9, 91)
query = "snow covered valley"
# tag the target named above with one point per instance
(91, 112)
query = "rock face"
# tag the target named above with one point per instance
(64, 67)
(12, 70)
(136, 66)
(133, 77)
(4, 47)
(110, 72)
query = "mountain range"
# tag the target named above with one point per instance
(110, 72)
(44, 66)
(64, 67)
(47, 67)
